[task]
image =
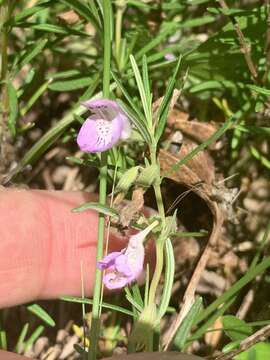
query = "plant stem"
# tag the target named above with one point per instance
(244, 45)
(4, 17)
(160, 240)
(120, 8)
(158, 271)
(95, 326)
(267, 43)
(107, 48)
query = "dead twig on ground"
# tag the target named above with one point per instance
(245, 47)
(258, 336)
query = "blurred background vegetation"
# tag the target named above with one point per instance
(51, 60)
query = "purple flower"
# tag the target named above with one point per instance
(123, 267)
(170, 56)
(104, 128)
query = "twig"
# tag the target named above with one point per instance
(267, 43)
(246, 304)
(189, 295)
(246, 48)
(258, 336)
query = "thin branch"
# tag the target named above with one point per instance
(189, 295)
(258, 336)
(267, 43)
(245, 47)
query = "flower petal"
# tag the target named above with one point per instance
(99, 135)
(115, 280)
(103, 108)
(108, 260)
(126, 131)
(122, 265)
(135, 260)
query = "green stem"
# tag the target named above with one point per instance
(107, 48)
(120, 8)
(95, 326)
(160, 241)
(158, 271)
(4, 17)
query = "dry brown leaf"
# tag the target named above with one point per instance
(193, 129)
(197, 174)
(128, 211)
(69, 17)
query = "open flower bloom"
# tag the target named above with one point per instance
(104, 128)
(123, 267)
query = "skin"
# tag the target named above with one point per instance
(43, 245)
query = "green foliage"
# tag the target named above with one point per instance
(257, 352)
(41, 313)
(105, 210)
(120, 51)
(235, 328)
(186, 326)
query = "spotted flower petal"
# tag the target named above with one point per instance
(104, 128)
(125, 266)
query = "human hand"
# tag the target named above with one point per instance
(43, 245)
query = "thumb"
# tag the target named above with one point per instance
(43, 245)
(6, 355)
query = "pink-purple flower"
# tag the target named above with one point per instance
(125, 266)
(104, 128)
(170, 56)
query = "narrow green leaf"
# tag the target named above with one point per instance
(137, 294)
(146, 80)
(129, 99)
(198, 22)
(145, 103)
(70, 85)
(149, 175)
(51, 28)
(32, 52)
(3, 340)
(232, 345)
(26, 13)
(265, 131)
(127, 179)
(235, 328)
(185, 328)
(33, 99)
(211, 319)
(169, 278)
(105, 210)
(133, 302)
(138, 124)
(234, 289)
(23, 333)
(104, 305)
(41, 313)
(228, 12)
(197, 2)
(48, 139)
(35, 335)
(212, 85)
(165, 104)
(63, 74)
(259, 90)
(259, 156)
(259, 351)
(13, 108)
